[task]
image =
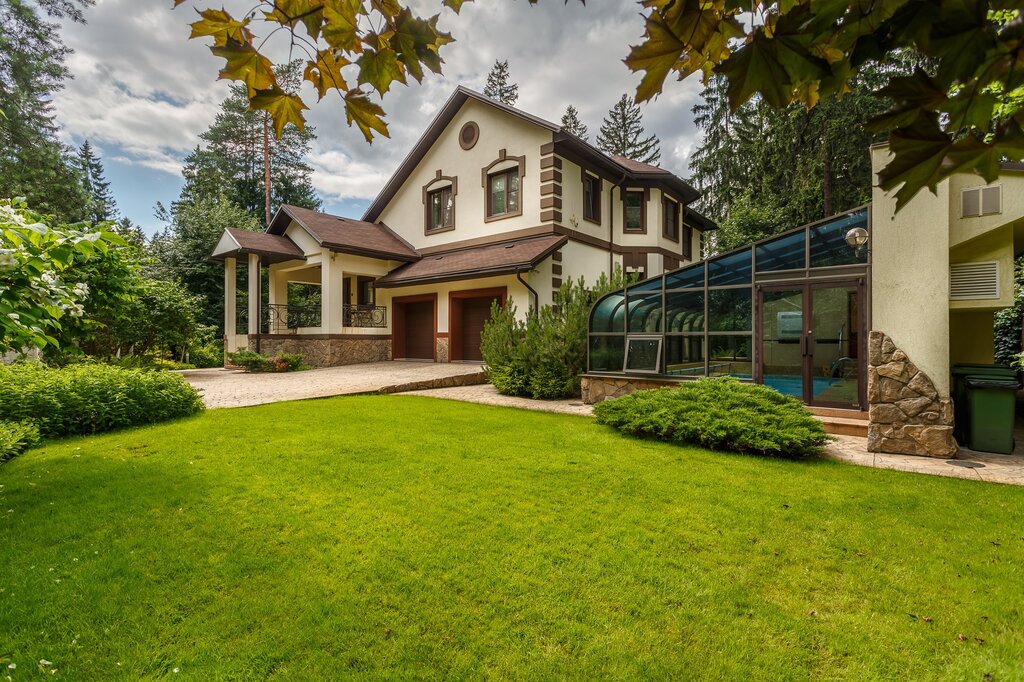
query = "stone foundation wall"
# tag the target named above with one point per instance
(907, 415)
(596, 388)
(331, 350)
(441, 349)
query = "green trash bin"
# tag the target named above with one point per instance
(991, 404)
(960, 408)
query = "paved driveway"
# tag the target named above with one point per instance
(233, 388)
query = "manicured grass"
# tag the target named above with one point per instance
(407, 537)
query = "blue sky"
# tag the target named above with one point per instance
(142, 92)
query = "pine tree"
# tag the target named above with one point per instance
(102, 206)
(231, 160)
(33, 162)
(622, 133)
(572, 124)
(498, 86)
(131, 232)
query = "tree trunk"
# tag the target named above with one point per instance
(266, 166)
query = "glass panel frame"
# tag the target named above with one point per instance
(646, 351)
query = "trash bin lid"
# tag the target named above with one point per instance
(991, 382)
(984, 370)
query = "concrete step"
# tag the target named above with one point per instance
(842, 426)
(839, 412)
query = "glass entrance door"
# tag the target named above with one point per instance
(810, 339)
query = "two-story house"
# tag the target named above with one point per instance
(491, 204)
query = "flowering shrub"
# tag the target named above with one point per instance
(33, 257)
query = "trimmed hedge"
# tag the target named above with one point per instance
(90, 398)
(720, 414)
(251, 361)
(15, 438)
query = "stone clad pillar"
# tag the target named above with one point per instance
(230, 317)
(254, 294)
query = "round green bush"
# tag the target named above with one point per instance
(91, 398)
(720, 414)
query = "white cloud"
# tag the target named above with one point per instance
(145, 92)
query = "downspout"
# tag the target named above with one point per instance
(536, 296)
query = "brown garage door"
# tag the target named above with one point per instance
(475, 312)
(419, 330)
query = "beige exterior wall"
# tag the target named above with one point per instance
(997, 246)
(971, 337)
(910, 275)
(965, 229)
(498, 130)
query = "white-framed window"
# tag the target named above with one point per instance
(643, 354)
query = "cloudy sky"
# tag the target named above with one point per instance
(142, 92)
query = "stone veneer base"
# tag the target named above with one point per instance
(326, 350)
(598, 387)
(906, 414)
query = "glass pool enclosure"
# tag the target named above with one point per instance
(788, 311)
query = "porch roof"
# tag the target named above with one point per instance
(269, 247)
(483, 261)
(358, 237)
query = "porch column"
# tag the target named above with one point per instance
(331, 277)
(230, 300)
(278, 294)
(254, 294)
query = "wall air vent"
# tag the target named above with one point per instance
(974, 281)
(979, 201)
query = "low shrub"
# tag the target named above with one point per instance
(252, 361)
(210, 355)
(721, 414)
(90, 398)
(15, 438)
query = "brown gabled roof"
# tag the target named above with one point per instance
(270, 247)
(483, 261)
(579, 148)
(346, 235)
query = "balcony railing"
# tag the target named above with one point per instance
(365, 316)
(280, 318)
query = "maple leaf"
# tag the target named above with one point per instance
(754, 68)
(222, 26)
(341, 24)
(655, 57)
(379, 68)
(282, 107)
(919, 151)
(325, 72)
(368, 116)
(416, 41)
(245, 64)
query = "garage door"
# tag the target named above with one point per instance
(419, 330)
(475, 312)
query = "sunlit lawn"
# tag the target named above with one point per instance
(407, 537)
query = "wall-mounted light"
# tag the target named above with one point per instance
(857, 237)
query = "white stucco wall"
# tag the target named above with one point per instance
(910, 274)
(498, 130)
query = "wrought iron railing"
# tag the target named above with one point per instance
(364, 316)
(282, 317)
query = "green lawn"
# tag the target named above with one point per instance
(408, 537)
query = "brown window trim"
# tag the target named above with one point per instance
(687, 250)
(485, 178)
(596, 218)
(643, 210)
(669, 204)
(454, 180)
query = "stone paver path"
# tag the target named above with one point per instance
(234, 388)
(968, 464)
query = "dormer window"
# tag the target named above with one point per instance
(634, 205)
(439, 203)
(670, 210)
(591, 198)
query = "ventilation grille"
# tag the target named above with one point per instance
(979, 201)
(974, 281)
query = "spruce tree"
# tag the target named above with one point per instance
(622, 133)
(572, 124)
(101, 206)
(498, 86)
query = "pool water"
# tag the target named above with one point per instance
(790, 385)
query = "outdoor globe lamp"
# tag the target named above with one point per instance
(857, 237)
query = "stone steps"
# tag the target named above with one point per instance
(841, 422)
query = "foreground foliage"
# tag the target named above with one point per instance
(465, 541)
(544, 355)
(251, 361)
(721, 414)
(16, 437)
(91, 398)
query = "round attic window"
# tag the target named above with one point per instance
(469, 134)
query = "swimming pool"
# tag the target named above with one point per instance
(791, 385)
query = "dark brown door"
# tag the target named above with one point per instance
(419, 330)
(475, 312)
